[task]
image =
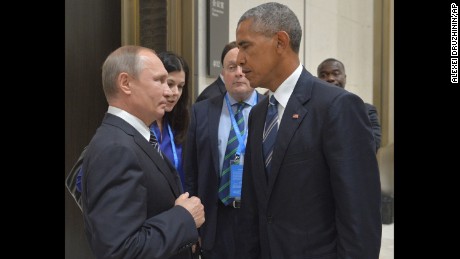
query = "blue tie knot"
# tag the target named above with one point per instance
(273, 100)
(239, 106)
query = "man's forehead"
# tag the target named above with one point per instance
(331, 65)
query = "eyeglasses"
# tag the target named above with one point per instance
(231, 68)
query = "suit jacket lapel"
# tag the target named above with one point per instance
(258, 114)
(293, 115)
(221, 85)
(214, 111)
(162, 165)
(259, 123)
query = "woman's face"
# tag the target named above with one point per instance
(176, 83)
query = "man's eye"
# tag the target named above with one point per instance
(231, 68)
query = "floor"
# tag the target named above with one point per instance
(387, 248)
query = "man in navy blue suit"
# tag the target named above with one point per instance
(319, 195)
(332, 71)
(206, 149)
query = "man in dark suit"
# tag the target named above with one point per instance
(207, 145)
(333, 71)
(131, 196)
(319, 195)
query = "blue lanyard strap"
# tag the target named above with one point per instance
(241, 144)
(173, 145)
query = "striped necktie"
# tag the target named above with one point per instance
(270, 131)
(154, 142)
(232, 147)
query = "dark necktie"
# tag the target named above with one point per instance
(232, 147)
(154, 142)
(270, 131)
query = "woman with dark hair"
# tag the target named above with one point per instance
(171, 130)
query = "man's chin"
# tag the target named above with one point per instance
(159, 114)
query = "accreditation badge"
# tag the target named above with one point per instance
(236, 176)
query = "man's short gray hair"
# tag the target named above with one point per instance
(269, 18)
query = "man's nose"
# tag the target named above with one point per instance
(239, 71)
(330, 78)
(240, 58)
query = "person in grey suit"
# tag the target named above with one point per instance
(206, 149)
(133, 202)
(332, 71)
(319, 195)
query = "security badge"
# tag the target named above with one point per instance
(236, 176)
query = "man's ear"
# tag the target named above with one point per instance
(123, 82)
(283, 40)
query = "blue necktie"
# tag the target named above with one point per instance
(232, 147)
(270, 131)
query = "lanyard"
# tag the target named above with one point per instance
(241, 145)
(173, 145)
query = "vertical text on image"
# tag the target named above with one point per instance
(453, 43)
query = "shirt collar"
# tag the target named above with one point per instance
(137, 123)
(251, 100)
(284, 91)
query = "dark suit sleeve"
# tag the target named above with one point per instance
(191, 160)
(116, 205)
(349, 148)
(374, 118)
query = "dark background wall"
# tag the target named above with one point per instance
(152, 23)
(92, 31)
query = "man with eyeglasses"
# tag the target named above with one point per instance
(215, 156)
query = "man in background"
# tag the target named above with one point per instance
(216, 139)
(333, 71)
